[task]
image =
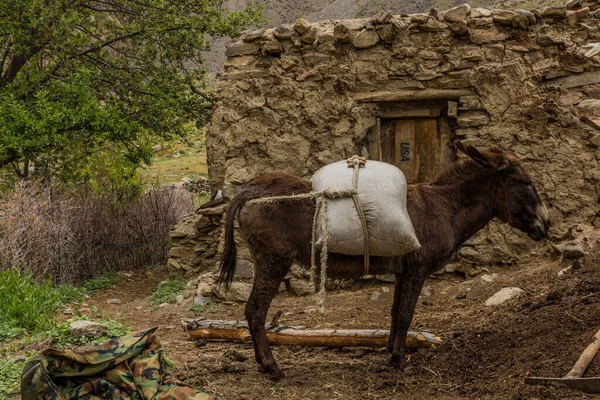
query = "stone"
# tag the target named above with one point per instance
(301, 26)
(473, 118)
(251, 36)
(530, 16)
(573, 251)
(241, 49)
(480, 36)
(238, 291)
(343, 33)
(388, 278)
(310, 36)
(201, 301)
(590, 108)
(375, 296)
(113, 301)
(503, 17)
(480, 12)
(365, 39)
(88, 329)
(459, 28)
(179, 298)
(205, 288)
(284, 32)
(182, 252)
(273, 47)
(301, 286)
(457, 14)
(282, 288)
(573, 17)
(387, 33)
(381, 18)
(521, 21)
(504, 295)
(554, 11)
(244, 269)
(425, 75)
(572, 4)
(433, 25)
(426, 291)
(326, 39)
(488, 278)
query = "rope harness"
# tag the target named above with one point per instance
(321, 199)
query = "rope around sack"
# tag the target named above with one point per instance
(322, 198)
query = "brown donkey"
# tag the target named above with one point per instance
(445, 213)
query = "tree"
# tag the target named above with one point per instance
(82, 76)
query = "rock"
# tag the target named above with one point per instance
(273, 47)
(163, 305)
(282, 287)
(301, 26)
(503, 17)
(504, 295)
(205, 288)
(343, 33)
(310, 36)
(483, 36)
(88, 329)
(387, 33)
(457, 14)
(573, 17)
(389, 278)
(365, 39)
(521, 21)
(530, 16)
(473, 118)
(565, 270)
(201, 301)
(252, 35)
(554, 11)
(426, 291)
(113, 301)
(238, 291)
(241, 49)
(244, 269)
(572, 4)
(375, 296)
(301, 286)
(480, 12)
(488, 278)
(179, 298)
(381, 18)
(284, 32)
(573, 251)
(459, 28)
(590, 108)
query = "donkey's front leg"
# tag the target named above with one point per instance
(268, 274)
(406, 293)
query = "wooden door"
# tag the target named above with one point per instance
(413, 145)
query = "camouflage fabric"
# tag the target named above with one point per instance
(129, 368)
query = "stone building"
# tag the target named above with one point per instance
(402, 89)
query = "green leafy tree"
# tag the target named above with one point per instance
(79, 77)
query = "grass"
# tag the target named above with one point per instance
(10, 375)
(61, 336)
(167, 292)
(103, 281)
(27, 306)
(208, 308)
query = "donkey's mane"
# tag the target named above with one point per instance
(457, 172)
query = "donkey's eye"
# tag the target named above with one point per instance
(527, 184)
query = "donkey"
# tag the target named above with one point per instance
(445, 213)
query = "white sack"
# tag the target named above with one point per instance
(382, 193)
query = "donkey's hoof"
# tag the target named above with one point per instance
(398, 362)
(275, 374)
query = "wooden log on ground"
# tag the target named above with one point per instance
(237, 331)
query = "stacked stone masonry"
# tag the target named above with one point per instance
(303, 95)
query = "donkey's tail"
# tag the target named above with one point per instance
(229, 259)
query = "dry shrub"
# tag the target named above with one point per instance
(73, 234)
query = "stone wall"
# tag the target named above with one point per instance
(300, 96)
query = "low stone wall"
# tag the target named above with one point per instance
(300, 96)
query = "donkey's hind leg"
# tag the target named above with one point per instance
(269, 272)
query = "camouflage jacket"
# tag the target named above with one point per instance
(129, 368)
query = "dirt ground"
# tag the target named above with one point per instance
(487, 354)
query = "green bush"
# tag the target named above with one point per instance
(167, 292)
(26, 306)
(10, 373)
(103, 281)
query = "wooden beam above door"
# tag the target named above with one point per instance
(411, 95)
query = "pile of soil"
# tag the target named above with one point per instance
(488, 351)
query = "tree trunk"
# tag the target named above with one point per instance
(237, 331)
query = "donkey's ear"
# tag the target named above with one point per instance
(478, 156)
(460, 146)
(494, 158)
